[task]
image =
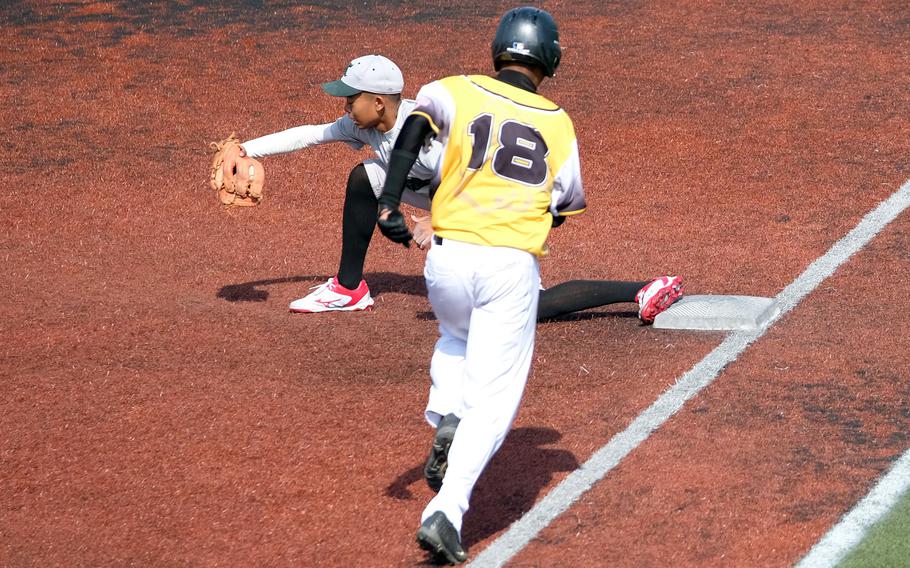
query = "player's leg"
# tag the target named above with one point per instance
(347, 291)
(449, 291)
(449, 294)
(359, 216)
(447, 366)
(358, 222)
(444, 404)
(577, 295)
(498, 357)
(652, 297)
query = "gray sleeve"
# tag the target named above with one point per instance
(300, 137)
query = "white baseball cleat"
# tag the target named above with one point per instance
(657, 296)
(333, 297)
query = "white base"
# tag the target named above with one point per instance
(722, 313)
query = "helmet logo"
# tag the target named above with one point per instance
(519, 48)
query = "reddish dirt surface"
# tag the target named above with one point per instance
(159, 405)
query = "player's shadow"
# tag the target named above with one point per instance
(592, 315)
(509, 487)
(380, 282)
(576, 316)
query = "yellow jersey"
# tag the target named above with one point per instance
(510, 161)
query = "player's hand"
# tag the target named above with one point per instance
(392, 224)
(423, 231)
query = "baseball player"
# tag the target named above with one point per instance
(509, 171)
(375, 112)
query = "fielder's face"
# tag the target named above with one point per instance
(365, 109)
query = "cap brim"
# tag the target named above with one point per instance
(339, 89)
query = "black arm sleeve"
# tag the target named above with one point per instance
(413, 133)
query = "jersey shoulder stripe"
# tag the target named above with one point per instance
(429, 118)
(519, 97)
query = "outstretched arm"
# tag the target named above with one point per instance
(305, 136)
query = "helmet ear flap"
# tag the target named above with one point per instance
(556, 63)
(527, 35)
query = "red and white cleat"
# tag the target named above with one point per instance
(333, 297)
(657, 296)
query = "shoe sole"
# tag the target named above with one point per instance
(432, 544)
(345, 309)
(661, 302)
(437, 464)
(438, 461)
(360, 306)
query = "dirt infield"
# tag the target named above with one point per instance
(160, 407)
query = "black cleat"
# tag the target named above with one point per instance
(438, 537)
(438, 460)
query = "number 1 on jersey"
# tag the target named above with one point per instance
(479, 131)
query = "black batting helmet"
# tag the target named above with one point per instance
(527, 35)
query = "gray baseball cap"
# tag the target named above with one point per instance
(371, 74)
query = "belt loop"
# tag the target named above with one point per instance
(437, 240)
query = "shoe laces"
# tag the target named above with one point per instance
(325, 284)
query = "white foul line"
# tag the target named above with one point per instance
(522, 531)
(832, 548)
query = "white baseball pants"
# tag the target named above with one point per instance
(485, 299)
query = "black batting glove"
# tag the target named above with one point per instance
(393, 226)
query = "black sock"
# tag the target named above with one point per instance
(577, 295)
(357, 225)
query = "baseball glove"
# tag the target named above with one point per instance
(239, 180)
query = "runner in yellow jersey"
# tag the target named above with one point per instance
(510, 162)
(510, 171)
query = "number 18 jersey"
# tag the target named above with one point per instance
(510, 161)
